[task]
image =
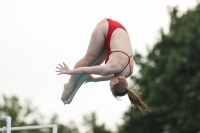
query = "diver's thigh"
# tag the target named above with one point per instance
(97, 42)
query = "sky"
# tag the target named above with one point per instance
(37, 35)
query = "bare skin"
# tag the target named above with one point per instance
(94, 57)
(81, 79)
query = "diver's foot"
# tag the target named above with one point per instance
(65, 94)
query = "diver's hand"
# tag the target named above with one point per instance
(63, 69)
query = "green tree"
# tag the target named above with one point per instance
(68, 128)
(27, 114)
(170, 80)
(21, 114)
(91, 122)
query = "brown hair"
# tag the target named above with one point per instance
(121, 88)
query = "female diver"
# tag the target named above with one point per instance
(109, 42)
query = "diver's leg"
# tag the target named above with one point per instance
(84, 77)
(96, 46)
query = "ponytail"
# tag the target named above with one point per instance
(134, 97)
(121, 88)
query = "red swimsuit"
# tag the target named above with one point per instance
(112, 26)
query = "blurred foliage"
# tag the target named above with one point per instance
(170, 80)
(21, 114)
(26, 114)
(91, 122)
(68, 128)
